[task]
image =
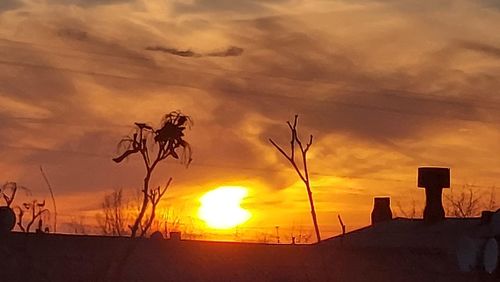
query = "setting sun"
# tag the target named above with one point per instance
(220, 208)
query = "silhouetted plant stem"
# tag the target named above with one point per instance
(154, 197)
(52, 196)
(304, 176)
(144, 206)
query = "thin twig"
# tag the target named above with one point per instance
(52, 196)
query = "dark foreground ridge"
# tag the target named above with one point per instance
(370, 254)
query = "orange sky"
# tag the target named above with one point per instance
(384, 86)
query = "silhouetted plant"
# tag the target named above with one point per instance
(112, 220)
(299, 236)
(8, 216)
(35, 210)
(408, 211)
(469, 202)
(154, 146)
(54, 206)
(459, 202)
(304, 237)
(465, 205)
(304, 175)
(169, 221)
(263, 237)
(9, 191)
(78, 225)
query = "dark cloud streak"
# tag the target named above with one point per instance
(89, 3)
(6, 5)
(173, 51)
(232, 51)
(483, 48)
(240, 6)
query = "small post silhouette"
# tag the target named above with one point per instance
(342, 225)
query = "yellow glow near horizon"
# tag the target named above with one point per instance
(220, 208)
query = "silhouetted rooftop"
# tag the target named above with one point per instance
(397, 250)
(410, 233)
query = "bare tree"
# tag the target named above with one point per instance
(460, 202)
(162, 223)
(78, 225)
(304, 173)
(466, 204)
(154, 146)
(469, 202)
(112, 220)
(408, 211)
(171, 221)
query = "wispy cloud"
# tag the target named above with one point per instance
(241, 6)
(6, 5)
(232, 51)
(229, 52)
(486, 49)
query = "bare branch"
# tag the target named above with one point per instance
(304, 176)
(125, 155)
(279, 149)
(467, 204)
(309, 143)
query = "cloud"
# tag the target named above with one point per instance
(73, 33)
(490, 4)
(344, 95)
(382, 89)
(6, 5)
(173, 51)
(243, 6)
(232, 51)
(483, 48)
(90, 3)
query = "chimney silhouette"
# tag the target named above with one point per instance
(381, 209)
(433, 179)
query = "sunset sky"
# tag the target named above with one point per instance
(384, 87)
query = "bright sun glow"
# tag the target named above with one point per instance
(220, 208)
